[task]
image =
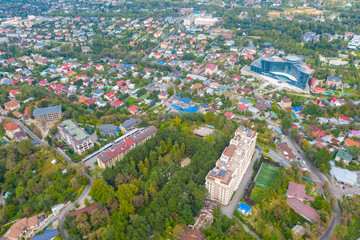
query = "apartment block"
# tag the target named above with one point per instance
(75, 137)
(115, 153)
(46, 117)
(223, 180)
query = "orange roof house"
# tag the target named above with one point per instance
(12, 105)
(349, 143)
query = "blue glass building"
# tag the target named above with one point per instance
(289, 69)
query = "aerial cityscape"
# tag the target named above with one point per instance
(178, 119)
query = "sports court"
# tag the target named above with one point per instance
(265, 175)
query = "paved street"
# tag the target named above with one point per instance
(316, 174)
(30, 133)
(334, 221)
(70, 207)
(164, 40)
(278, 158)
(229, 209)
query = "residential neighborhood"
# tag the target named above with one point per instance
(207, 119)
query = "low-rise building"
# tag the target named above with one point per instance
(129, 124)
(344, 176)
(144, 134)
(333, 81)
(286, 151)
(109, 130)
(74, 136)
(12, 105)
(295, 199)
(210, 69)
(109, 157)
(115, 153)
(47, 117)
(285, 103)
(11, 128)
(24, 227)
(344, 156)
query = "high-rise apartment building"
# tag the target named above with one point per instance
(223, 180)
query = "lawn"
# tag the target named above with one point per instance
(265, 175)
(145, 96)
(131, 99)
(351, 91)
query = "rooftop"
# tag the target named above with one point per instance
(344, 175)
(74, 130)
(47, 110)
(232, 156)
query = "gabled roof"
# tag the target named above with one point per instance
(47, 110)
(344, 155)
(334, 79)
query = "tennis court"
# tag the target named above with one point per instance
(265, 175)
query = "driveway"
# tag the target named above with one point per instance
(230, 208)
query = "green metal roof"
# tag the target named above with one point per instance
(74, 130)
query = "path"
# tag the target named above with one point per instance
(248, 230)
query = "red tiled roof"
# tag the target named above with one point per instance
(303, 209)
(87, 210)
(192, 234)
(10, 126)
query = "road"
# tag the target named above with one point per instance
(319, 176)
(70, 207)
(316, 174)
(230, 208)
(334, 221)
(68, 159)
(164, 40)
(30, 133)
(278, 157)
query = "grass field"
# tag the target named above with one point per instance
(265, 175)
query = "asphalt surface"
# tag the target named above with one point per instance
(70, 207)
(30, 133)
(64, 155)
(164, 40)
(334, 221)
(230, 208)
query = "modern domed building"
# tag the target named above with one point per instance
(289, 69)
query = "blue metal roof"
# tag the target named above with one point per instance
(176, 106)
(47, 110)
(297, 108)
(191, 109)
(243, 206)
(48, 234)
(186, 100)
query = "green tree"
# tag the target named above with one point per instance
(25, 147)
(102, 192)
(286, 122)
